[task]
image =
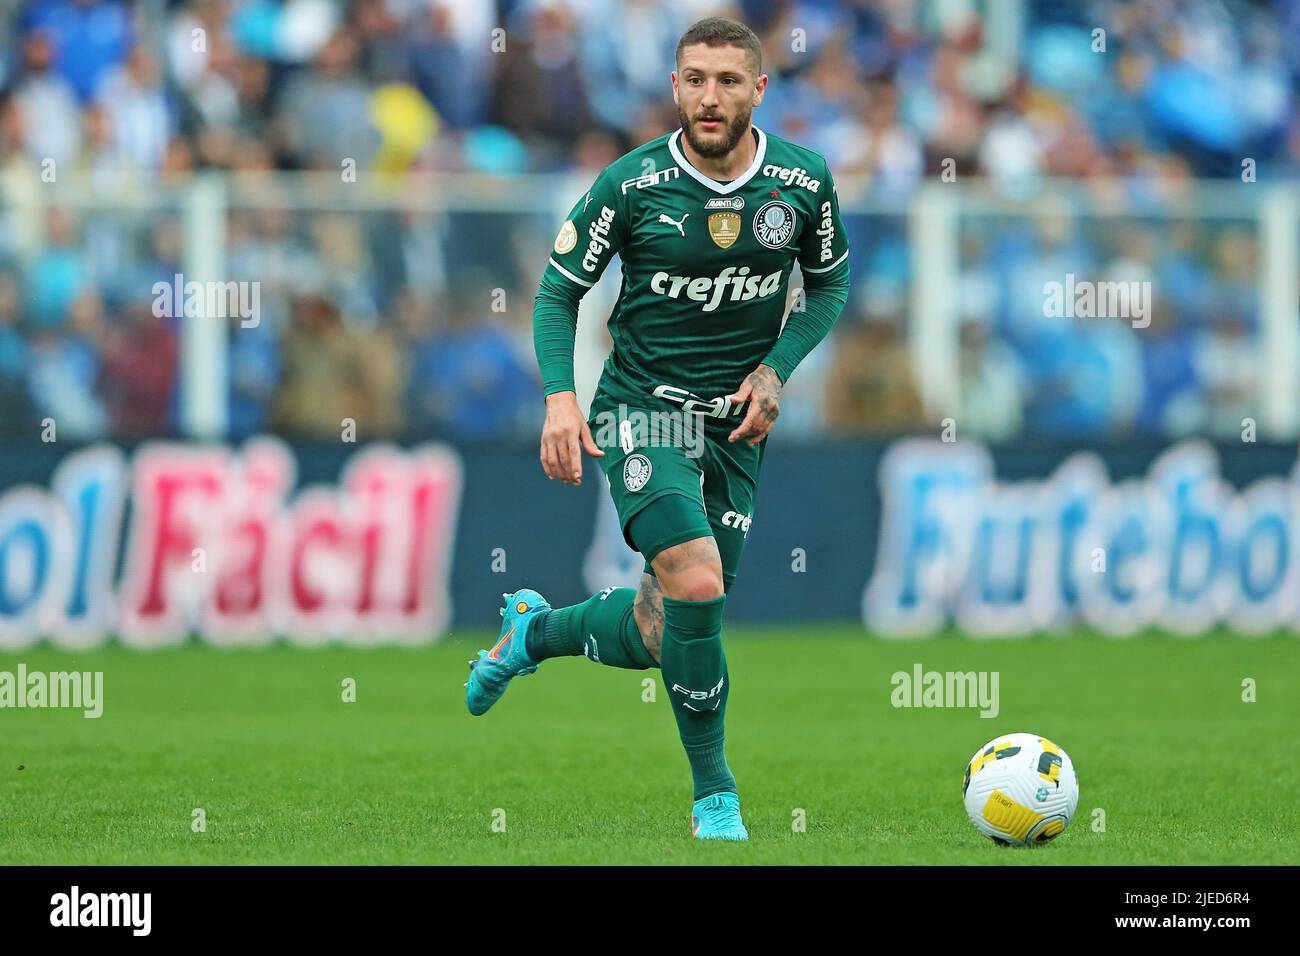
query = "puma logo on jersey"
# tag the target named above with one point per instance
(711, 290)
(681, 226)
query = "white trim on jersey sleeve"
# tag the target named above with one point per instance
(713, 184)
(565, 272)
(828, 268)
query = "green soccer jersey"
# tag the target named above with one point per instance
(706, 266)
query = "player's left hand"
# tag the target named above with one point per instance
(762, 389)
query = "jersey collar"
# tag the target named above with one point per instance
(717, 187)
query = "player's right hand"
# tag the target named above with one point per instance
(564, 436)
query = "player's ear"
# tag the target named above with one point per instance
(673, 74)
(760, 86)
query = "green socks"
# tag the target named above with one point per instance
(602, 627)
(695, 673)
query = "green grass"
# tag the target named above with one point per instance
(587, 772)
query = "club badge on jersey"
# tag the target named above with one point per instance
(774, 224)
(724, 226)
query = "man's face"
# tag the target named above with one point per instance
(715, 94)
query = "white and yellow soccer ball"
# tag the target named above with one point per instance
(1020, 790)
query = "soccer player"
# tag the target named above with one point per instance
(708, 223)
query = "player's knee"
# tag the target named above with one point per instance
(699, 584)
(691, 571)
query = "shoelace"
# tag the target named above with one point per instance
(721, 814)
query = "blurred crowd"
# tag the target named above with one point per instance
(394, 314)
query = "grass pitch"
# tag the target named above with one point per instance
(581, 769)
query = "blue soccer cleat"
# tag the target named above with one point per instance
(490, 675)
(717, 817)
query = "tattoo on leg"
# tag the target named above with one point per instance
(649, 612)
(690, 554)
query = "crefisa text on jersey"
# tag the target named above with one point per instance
(792, 177)
(599, 233)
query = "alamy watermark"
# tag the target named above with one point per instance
(632, 428)
(922, 688)
(208, 300)
(76, 690)
(1084, 299)
(129, 910)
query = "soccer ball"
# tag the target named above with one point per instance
(1020, 790)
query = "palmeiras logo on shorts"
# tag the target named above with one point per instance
(636, 472)
(567, 239)
(774, 224)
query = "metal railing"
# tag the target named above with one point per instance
(930, 260)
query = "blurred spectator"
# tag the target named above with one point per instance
(1227, 362)
(871, 388)
(538, 90)
(882, 147)
(447, 69)
(254, 369)
(63, 369)
(139, 372)
(58, 273)
(17, 416)
(324, 112)
(331, 375)
(467, 378)
(90, 38)
(623, 46)
(140, 118)
(49, 116)
(991, 385)
(1173, 402)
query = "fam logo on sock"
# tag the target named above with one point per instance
(700, 695)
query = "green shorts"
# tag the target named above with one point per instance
(704, 485)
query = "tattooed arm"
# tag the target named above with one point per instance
(762, 389)
(825, 297)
